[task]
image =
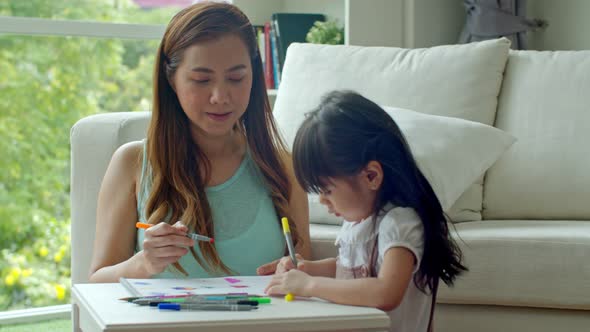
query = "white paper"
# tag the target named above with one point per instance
(253, 285)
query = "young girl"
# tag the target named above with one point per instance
(394, 245)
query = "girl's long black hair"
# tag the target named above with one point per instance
(340, 137)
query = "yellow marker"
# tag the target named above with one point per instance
(289, 297)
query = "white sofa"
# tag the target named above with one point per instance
(524, 228)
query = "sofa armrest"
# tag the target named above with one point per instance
(322, 240)
(93, 140)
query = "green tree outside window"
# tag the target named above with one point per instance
(46, 85)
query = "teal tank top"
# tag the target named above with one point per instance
(247, 231)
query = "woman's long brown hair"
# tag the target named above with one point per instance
(177, 162)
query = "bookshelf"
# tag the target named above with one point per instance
(397, 23)
(393, 23)
(366, 22)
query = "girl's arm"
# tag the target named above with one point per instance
(321, 268)
(384, 292)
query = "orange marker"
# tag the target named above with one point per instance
(194, 236)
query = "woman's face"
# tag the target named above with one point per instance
(213, 84)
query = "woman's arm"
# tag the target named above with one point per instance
(384, 292)
(113, 255)
(116, 211)
(299, 210)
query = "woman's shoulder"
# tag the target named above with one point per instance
(130, 151)
(127, 159)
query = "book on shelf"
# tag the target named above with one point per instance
(274, 47)
(259, 33)
(291, 28)
(268, 70)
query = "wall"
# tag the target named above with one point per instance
(569, 24)
(431, 23)
(374, 22)
(333, 9)
(260, 11)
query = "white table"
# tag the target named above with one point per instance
(95, 307)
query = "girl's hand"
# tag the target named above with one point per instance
(280, 265)
(163, 245)
(295, 282)
(286, 264)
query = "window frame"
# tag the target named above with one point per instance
(32, 26)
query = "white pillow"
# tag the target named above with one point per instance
(451, 153)
(407, 78)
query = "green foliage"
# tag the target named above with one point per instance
(325, 33)
(53, 325)
(47, 84)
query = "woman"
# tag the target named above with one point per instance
(212, 163)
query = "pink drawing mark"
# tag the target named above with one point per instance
(232, 280)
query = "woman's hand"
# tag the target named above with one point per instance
(163, 245)
(295, 282)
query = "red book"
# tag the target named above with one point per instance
(268, 71)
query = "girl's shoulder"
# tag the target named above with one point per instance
(400, 222)
(354, 233)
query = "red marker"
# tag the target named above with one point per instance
(193, 236)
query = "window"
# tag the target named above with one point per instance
(60, 61)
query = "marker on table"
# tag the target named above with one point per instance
(194, 236)
(259, 299)
(209, 307)
(155, 303)
(206, 297)
(289, 297)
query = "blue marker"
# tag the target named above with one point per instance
(208, 307)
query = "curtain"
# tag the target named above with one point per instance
(489, 19)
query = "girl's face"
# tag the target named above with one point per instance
(353, 198)
(213, 84)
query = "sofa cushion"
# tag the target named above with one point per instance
(534, 263)
(451, 153)
(545, 104)
(460, 81)
(531, 263)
